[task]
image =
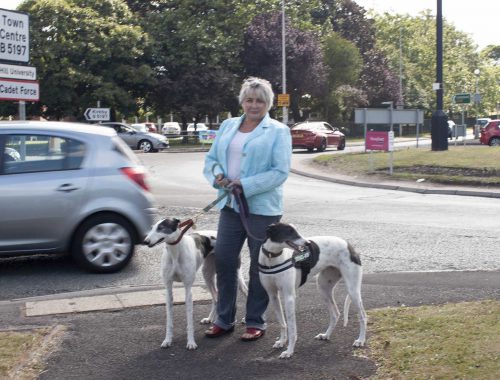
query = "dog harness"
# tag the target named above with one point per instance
(304, 260)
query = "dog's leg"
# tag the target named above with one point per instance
(242, 285)
(191, 344)
(208, 271)
(289, 301)
(327, 279)
(169, 323)
(275, 303)
(353, 285)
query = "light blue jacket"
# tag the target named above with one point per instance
(265, 163)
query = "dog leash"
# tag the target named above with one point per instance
(187, 224)
(239, 196)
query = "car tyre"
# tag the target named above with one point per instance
(322, 145)
(495, 141)
(103, 243)
(341, 145)
(146, 146)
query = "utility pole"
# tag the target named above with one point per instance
(439, 121)
(283, 59)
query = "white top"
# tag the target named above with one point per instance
(234, 154)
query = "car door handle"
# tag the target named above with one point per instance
(67, 187)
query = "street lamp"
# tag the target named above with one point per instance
(283, 59)
(439, 120)
(477, 99)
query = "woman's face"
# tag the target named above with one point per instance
(254, 107)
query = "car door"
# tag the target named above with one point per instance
(41, 192)
(332, 137)
(129, 135)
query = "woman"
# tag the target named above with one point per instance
(254, 152)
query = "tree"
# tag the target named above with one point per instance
(460, 59)
(262, 56)
(87, 51)
(343, 63)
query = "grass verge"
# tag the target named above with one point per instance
(466, 165)
(452, 341)
(22, 352)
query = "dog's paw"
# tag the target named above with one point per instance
(191, 346)
(358, 343)
(322, 337)
(279, 343)
(286, 354)
(205, 321)
(166, 343)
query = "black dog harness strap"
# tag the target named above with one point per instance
(276, 268)
(306, 260)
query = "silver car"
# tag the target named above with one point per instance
(136, 139)
(71, 188)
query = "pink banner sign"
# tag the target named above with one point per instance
(379, 141)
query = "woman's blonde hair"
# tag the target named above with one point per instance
(260, 87)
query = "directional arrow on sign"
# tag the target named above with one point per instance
(97, 114)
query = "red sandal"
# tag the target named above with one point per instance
(252, 334)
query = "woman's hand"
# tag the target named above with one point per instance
(221, 181)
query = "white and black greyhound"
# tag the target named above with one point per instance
(182, 257)
(285, 260)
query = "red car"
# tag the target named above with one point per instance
(490, 133)
(316, 134)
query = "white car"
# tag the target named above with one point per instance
(199, 127)
(171, 128)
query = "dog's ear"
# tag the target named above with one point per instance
(176, 223)
(269, 230)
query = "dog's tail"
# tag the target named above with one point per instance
(347, 303)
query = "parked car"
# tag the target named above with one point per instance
(72, 188)
(171, 128)
(191, 129)
(145, 127)
(146, 141)
(316, 134)
(490, 133)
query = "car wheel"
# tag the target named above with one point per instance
(310, 149)
(103, 243)
(341, 145)
(495, 141)
(145, 146)
(322, 145)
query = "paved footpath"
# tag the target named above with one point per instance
(124, 343)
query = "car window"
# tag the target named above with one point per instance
(37, 153)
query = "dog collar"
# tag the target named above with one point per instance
(271, 254)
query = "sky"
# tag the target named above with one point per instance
(478, 18)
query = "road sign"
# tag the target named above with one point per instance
(283, 100)
(97, 114)
(384, 116)
(14, 36)
(11, 89)
(461, 99)
(17, 72)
